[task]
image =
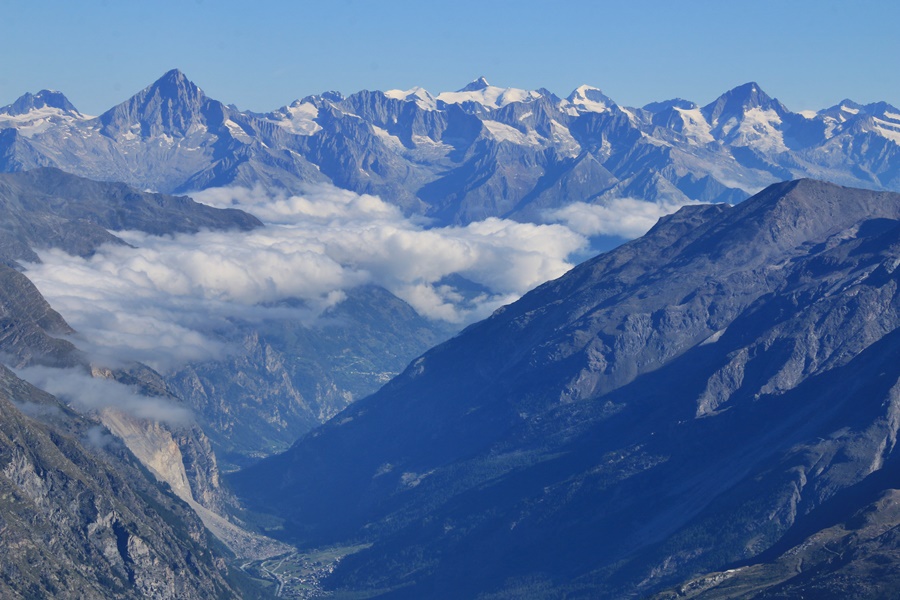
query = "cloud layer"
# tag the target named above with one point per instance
(161, 300)
(620, 217)
(86, 393)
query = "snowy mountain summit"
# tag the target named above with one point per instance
(44, 99)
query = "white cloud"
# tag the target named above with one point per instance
(162, 300)
(85, 393)
(622, 217)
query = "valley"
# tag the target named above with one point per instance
(369, 346)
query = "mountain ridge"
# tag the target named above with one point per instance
(467, 155)
(666, 409)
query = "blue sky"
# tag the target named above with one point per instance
(809, 54)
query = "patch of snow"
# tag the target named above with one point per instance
(237, 131)
(808, 114)
(655, 141)
(631, 116)
(852, 111)
(888, 124)
(758, 129)
(299, 118)
(424, 140)
(390, 140)
(504, 133)
(887, 129)
(39, 120)
(195, 128)
(589, 99)
(489, 97)
(397, 94)
(420, 96)
(34, 128)
(714, 337)
(892, 116)
(563, 140)
(694, 125)
(46, 112)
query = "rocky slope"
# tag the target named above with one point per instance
(30, 330)
(707, 396)
(81, 518)
(460, 156)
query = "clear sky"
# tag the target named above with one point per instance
(261, 55)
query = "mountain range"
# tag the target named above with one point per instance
(711, 409)
(463, 156)
(707, 411)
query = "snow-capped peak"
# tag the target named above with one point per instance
(44, 100)
(734, 103)
(476, 86)
(33, 114)
(416, 94)
(587, 98)
(489, 96)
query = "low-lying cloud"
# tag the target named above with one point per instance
(162, 300)
(620, 217)
(87, 394)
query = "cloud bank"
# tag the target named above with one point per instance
(621, 217)
(85, 393)
(162, 300)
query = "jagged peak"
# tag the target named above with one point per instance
(846, 109)
(738, 100)
(419, 95)
(848, 103)
(43, 99)
(476, 86)
(173, 84)
(169, 105)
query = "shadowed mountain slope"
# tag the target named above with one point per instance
(683, 403)
(49, 208)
